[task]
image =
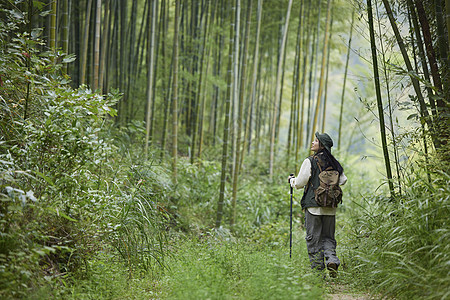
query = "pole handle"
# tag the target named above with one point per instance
(289, 180)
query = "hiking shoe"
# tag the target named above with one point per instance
(332, 268)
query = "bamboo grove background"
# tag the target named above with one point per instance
(126, 125)
(196, 74)
(129, 46)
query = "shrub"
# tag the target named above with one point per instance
(62, 195)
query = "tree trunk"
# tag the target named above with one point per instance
(175, 92)
(429, 47)
(234, 104)
(198, 101)
(226, 129)
(28, 59)
(378, 94)
(248, 123)
(151, 69)
(122, 63)
(312, 74)
(322, 69)
(419, 44)
(255, 73)
(85, 43)
(207, 47)
(443, 47)
(75, 31)
(294, 117)
(277, 90)
(447, 19)
(53, 25)
(98, 19)
(391, 117)
(142, 39)
(345, 79)
(240, 114)
(324, 113)
(105, 38)
(442, 125)
(65, 30)
(303, 85)
(165, 77)
(130, 84)
(414, 80)
(217, 69)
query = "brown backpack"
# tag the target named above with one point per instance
(328, 194)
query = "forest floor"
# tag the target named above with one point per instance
(214, 269)
(337, 291)
(211, 270)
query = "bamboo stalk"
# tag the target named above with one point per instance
(345, 78)
(226, 131)
(379, 101)
(277, 90)
(150, 95)
(322, 69)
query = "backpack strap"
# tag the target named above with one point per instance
(320, 169)
(330, 168)
(309, 180)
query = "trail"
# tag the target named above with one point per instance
(338, 291)
(209, 269)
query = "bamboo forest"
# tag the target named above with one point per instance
(179, 149)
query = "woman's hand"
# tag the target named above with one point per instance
(290, 177)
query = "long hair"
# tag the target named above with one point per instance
(331, 160)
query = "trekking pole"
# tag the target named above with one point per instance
(290, 221)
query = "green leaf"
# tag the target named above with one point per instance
(61, 214)
(39, 4)
(36, 32)
(46, 178)
(17, 14)
(69, 59)
(45, 13)
(413, 116)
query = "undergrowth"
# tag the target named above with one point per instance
(214, 268)
(401, 247)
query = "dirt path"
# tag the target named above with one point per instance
(342, 292)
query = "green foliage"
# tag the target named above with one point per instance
(83, 215)
(261, 203)
(140, 220)
(402, 247)
(66, 193)
(106, 279)
(215, 269)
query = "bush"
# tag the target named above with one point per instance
(63, 196)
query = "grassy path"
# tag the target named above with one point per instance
(229, 270)
(221, 269)
(235, 270)
(338, 291)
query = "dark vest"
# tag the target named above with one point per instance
(308, 199)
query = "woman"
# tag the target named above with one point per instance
(320, 221)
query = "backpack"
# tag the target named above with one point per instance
(328, 193)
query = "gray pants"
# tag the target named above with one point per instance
(320, 240)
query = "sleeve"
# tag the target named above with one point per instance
(342, 179)
(303, 175)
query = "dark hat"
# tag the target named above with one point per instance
(325, 140)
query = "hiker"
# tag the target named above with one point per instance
(319, 220)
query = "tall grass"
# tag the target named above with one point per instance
(140, 232)
(215, 269)
(402, 247)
